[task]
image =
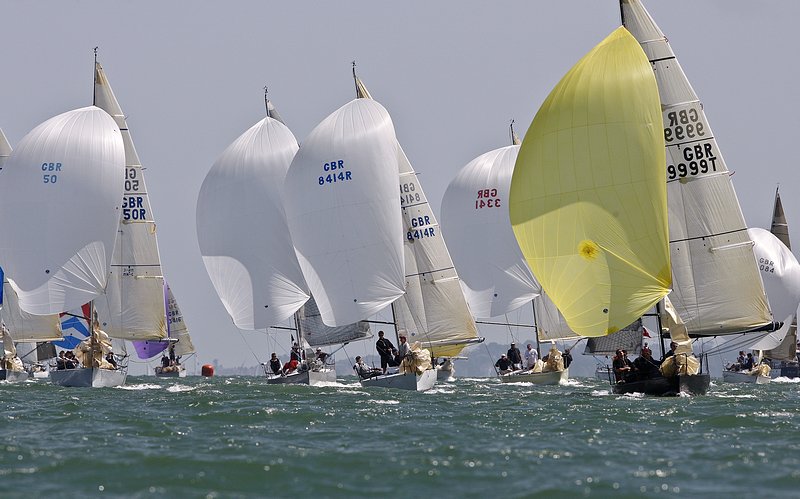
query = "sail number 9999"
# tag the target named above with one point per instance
(336, 173)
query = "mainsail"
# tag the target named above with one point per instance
(133, 305)
(494, 273)
(343, 213)
(717, 288)
(588, 200)
(787, 349)
(5, 148)
(61, 194)
(242, 229)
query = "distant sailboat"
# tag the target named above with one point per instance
(254, 270)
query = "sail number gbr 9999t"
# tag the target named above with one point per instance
(335, 172)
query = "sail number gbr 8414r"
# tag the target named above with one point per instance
(336, 172)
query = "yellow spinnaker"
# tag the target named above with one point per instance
(588, 197)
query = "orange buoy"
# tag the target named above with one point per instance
(207, 370)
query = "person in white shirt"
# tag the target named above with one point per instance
(531, 356)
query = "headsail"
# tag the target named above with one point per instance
(588, 200)
(717, 289)
(177, 332)
(343, 213)
(495, 275)
(242, 229)
(61, 194)
(133, 306)
(316, 333)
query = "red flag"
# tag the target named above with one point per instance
(645, 332)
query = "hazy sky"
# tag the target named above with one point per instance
(189, 76)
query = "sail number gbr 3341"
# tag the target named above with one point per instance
(334, 171)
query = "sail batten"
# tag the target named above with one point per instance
(588, 197)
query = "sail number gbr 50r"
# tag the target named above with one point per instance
(336, 172)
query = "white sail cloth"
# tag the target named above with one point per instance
(780, 272)
(343, 213)
(60, 201)
(133, 307)
(5, 148)
(242, 230)
(495, 275)
(177, 326)
(716, 287)
(27, 327)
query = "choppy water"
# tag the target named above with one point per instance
(239, 437)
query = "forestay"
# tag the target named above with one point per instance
(60, 193)
(133, 306)
(588, 200)
(242, 229)
(717, 289)
(494, 273)
(343, 213)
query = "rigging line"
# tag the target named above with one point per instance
(248, 346)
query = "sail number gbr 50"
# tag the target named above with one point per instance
(336, 172)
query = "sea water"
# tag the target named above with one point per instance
(239, 437)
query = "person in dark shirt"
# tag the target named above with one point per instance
(646, 366)
(749, 362)
(515, 356)
(672, 347)
(567, 358)
(385, 350)
(623, 367)
(275, 364)
(503, 364)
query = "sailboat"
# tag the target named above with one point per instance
(67, 176)
(255, 271)
(178, 342)
(496, 278)
(783, 357)
(588, 201)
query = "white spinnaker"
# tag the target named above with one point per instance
(317, 334)
(26, 327)
(5, 148)
(343, 213)
(433, 310)
(780, 272)
(475, 213)
(717, 288)
(60, 194)
(177, 326)
(242, 230)
(133, 306)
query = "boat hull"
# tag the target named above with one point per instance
(88, 377)
(304, 378)
(404, 381)
(179, 373)
(743, 377)
(784, 370)
(690, 384)
(13, 376)
(548, 378)
(444, 375)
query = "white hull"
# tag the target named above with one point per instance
(179, 373)
(444, 375)
(743, 377)
(88, 377)
(13, 376)
(417, 382)
(548, 378)
(41, 375)
(310, 378)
